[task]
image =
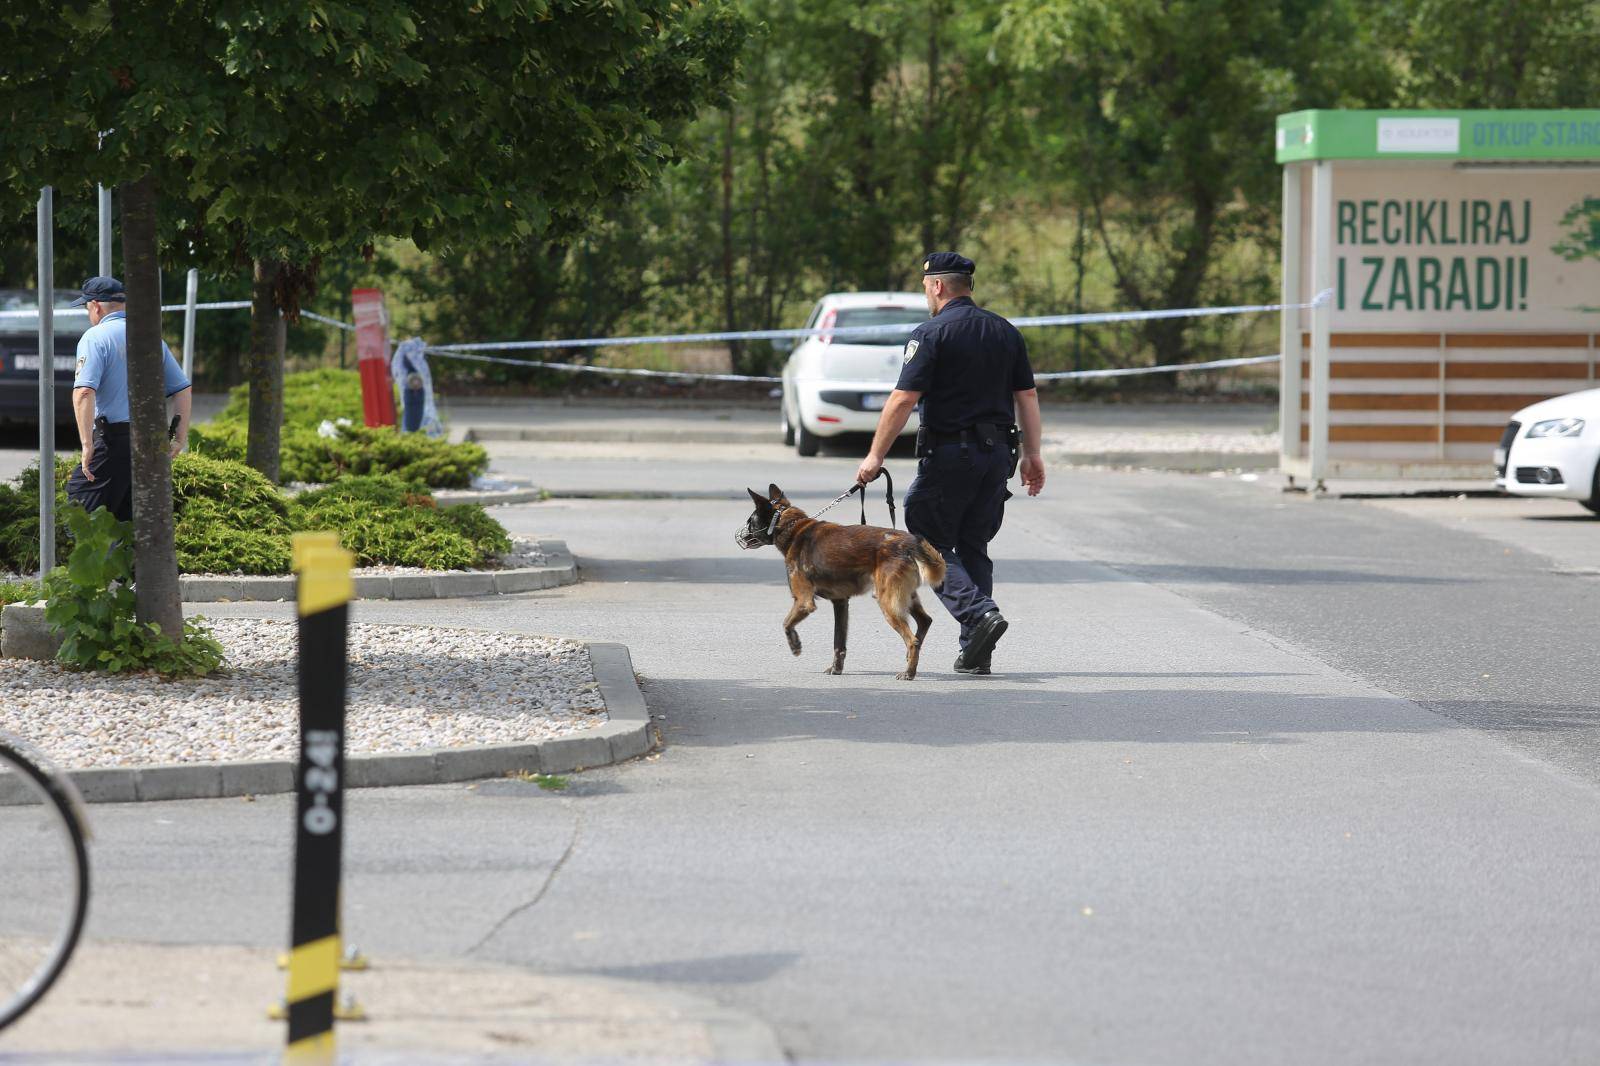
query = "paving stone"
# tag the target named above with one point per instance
(413, 587)
(564, 754)
(446, 586)
(522, 579)
(267, 588)
(383, 771)
(261, 778)
(373, 587)
(179, 781)
(24, 634)
(494, 760)
(211, 589)
(109, 784)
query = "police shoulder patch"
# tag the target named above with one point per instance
(81, 359)
(911, 348)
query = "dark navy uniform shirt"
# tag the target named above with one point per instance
(966, 362)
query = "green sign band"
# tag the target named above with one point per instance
(1446, 136)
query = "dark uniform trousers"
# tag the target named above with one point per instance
(957, 502)
(111, 463)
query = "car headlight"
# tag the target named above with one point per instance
(1557, 427)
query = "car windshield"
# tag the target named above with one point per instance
(855, 317)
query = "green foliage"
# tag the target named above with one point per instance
(19, 519)
(91, 601)
(327, 395)
(230, 519)
(384, 519)
(18, 592)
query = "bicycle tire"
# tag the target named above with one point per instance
(60, 802)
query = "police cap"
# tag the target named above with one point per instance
(947, 263)
(108, 289)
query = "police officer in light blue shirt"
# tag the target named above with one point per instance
(104, 477)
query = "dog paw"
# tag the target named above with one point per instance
(905, 675)
(834, 670)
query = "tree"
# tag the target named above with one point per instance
(1158, 117)
(279, 133)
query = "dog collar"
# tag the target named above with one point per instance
(772, 526)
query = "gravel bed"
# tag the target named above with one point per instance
(410, 688)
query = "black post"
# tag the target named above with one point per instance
(324, 591)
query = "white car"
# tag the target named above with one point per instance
(837, 382)
(1553, 449)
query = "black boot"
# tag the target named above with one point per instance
(986, 633)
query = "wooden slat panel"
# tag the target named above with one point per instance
(1374, 371)
(1377, 401)
(1516, 340)
(1384, 434)
(1473, 434)
(1513, 371)
(1376, 340)
(1507, 402)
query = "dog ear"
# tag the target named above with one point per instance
(762, 503)
(775, 492)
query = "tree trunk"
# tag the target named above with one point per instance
(155, 559)
(265, 373)
(729, 316)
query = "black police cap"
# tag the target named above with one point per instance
(947, 263)
(102, 288)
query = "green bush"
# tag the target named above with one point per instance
(91, 601)
(19, 519)
(384, 519)
(316, 396)
(18, 592)
(229, 519)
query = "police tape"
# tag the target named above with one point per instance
(1322, 299)
(217, 305)
(1171, 368)
(1066, 375)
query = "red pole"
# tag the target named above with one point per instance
(372, 356)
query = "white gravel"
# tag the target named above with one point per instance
(409, 688)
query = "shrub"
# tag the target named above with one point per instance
(384, 519)
(229, 519)
(316, 396)
(19, 519)
(91, 601)
(18, 592)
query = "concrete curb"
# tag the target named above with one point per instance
(562, 569)
(626, 735)
(1178, 461)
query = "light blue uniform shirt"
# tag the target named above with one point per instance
(103, 367)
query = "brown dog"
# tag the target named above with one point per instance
(836, 562)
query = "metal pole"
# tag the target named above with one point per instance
(105, 231)
(1289, 340)
(47, 383)
(192, 291)
(1322, 278)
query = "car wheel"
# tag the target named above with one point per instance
(787, 426)
(805, 441)
(1593, 502)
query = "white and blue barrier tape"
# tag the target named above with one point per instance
(468, 351)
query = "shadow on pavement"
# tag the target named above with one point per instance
(942, 709)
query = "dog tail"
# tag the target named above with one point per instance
(930, 564)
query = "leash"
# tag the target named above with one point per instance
(888, 497)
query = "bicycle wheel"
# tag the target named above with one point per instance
(44, 879)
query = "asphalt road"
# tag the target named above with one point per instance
(1240, 793)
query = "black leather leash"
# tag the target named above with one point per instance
(888, 497)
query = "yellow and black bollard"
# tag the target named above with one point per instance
(325, 589)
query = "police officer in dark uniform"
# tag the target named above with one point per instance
(980, 414)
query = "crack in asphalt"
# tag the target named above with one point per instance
(522, 908)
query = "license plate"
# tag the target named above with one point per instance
(31, 362)
(874, 402)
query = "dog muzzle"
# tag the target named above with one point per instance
(746, 539)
